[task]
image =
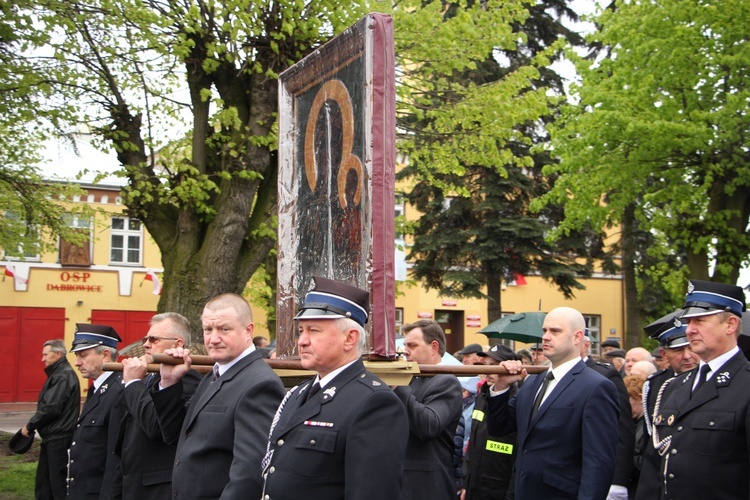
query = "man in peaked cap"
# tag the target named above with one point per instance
(675, 348)
(702, 422)
(342, 433)
(488, 464)
(93, 464)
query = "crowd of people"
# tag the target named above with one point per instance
(663, 424)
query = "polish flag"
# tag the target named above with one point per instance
(151, 276)
(519, 279)
(10, 270)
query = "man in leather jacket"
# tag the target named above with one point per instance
(57, 410)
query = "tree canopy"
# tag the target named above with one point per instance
(468, 134)
(660, 123)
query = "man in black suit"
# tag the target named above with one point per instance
(675, 348)
(433, 405)
(566, 418)
(341, 434)
(57, 409)
(145, 459)
(625, 428)
(221, 432)
(92, 466)
(702, 422)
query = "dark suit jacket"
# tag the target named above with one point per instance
(433, 405)
(93, 463)
(625, 427)
(146, 461)
(568, 449)
(222, 430)
(347, 441)
(710, 449)
(649, 480)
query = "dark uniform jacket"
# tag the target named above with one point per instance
(93, 462)
(348, 441)
(709, 453)
(576, 426)
(433, 405)
(488, 463)
(222, 430)
(58, 404)
(649, 482)
(625, 424)
(146, 460)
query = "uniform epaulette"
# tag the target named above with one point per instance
(371, 381)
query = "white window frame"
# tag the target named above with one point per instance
(126, 234)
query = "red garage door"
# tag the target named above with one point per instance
(23, 330)
(131, 325)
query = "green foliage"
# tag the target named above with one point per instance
(661, 121)
(471, 112)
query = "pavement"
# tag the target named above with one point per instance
(13, 416)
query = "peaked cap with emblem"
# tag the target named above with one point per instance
(331, 299)
(88, 336)
(669, 330)
(499, 352)
(706, 297)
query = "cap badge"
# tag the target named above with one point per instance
(677, 323)
(494, 348)
(691, 287)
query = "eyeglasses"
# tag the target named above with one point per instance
(154, 340)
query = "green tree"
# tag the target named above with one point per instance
(30, 216)
(659, 132)
(186, 94)
(469, 135)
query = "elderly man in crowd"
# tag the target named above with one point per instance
(343, 433)
(675, 348)
(701, 424)
(635, 355)
(55, 419)
(93, 464)
(145, 458)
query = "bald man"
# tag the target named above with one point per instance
(635, 355)
(566, 418)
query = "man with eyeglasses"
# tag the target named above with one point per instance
(145, 458)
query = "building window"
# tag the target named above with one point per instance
(594, 331)
(399, 321)
(126, 235)
(28, 249)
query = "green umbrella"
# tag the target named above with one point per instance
(523, 327)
